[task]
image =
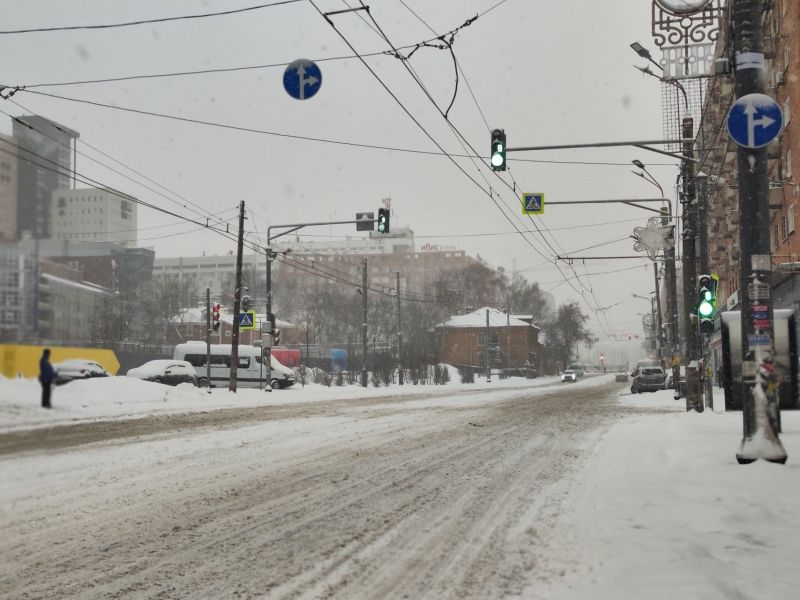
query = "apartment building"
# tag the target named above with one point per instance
(8, 188)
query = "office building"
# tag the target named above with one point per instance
(93, 215)
(8, 188)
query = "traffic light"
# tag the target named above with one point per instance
(629, 337)
(498, 153)
(276, 337)
(602, 358)
(216, 317)
(245, 303)
(706, 302)
(383, 220)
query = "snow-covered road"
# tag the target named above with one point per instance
(449, 496)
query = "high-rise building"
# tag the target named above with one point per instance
(93, 215)
(8, 188)
(44, 165)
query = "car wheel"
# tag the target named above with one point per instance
(275, 384)
(157, 380)
(634, 390)
(202, 383)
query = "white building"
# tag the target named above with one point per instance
(93, 215)
(398, 240)
(206, 271)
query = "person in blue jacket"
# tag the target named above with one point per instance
(46, 376)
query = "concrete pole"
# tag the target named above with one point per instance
(399, 336)
(694, 399)
(488, 365)
(266, 327)
(759, 388)
(208, 338)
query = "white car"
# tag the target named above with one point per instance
(168, 372)
(570, 376)
(76, 368)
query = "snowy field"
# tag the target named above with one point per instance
(124, 397)
(663, 510)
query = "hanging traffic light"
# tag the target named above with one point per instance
(706, 302)
(383, 220)
(216, 317)
(498, 153)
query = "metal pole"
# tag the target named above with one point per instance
(488, 366)
(705, 339)
(694, 399)
(761, 427)
(364, 324)
(657, 322)
(208, 338)
(267, 326)
(508, 334)
(237, 298)
(399, 336)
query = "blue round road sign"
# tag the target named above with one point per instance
(755, 120)
(302, 79)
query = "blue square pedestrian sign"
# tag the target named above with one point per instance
(533, 204)
(247, 320)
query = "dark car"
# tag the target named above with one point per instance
(648, 379)
(168, 372)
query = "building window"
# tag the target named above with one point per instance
(790, 218)
(481, 339)
(783, 227)
(228, 333)
(787, 112)
(775, 239)
(788, 174)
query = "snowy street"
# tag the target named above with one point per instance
(526, 489)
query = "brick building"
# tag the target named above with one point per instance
(462, 340)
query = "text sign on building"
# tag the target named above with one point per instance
(755, 120)
(533, 204)
(247, 320)
(302, 79)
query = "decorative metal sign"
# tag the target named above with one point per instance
(686, 31)
(652, 238)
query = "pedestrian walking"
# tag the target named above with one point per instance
(719, 375)
(46, 376)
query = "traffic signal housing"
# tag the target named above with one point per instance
(383, 220)
(216, 317)
(497, 157)
(706, 305)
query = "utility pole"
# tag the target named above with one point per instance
(399, 336)
(670, 283)
(266, 327)
(237, 298)
(657, 321)
(488, 365)
(208, 338)
(705, 338)
(694, 398)
(508, 334)
(759, 388)
(364, 324)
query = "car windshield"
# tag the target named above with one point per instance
(567, 372)
(652, 372)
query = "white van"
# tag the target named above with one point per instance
(250, 373)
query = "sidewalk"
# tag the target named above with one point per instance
(663, 510)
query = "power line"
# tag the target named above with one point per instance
(145, 22)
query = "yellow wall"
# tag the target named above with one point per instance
(25, 359)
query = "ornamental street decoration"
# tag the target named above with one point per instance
(652, 238)
(686, 31)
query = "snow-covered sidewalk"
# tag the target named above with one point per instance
(663, 510)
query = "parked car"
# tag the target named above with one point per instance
(668, 384)
(623, 377)
(168, 372)
(570, 376)
(77, 368)
(250, 373)
(648, 379)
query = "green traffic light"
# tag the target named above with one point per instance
(706, 308)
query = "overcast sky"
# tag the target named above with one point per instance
(547, 72)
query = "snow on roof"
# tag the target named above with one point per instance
(83, 285)
(497, 318)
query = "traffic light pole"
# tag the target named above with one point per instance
(701, 180)
(266, 326)
(364, 324)
(399, 336)
(237, 299)
(759, 388)
(694, 397)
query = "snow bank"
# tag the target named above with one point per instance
(664, 511)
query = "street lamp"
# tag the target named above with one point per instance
(645, 53)
(650, 177)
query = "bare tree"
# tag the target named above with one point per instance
(566, 331)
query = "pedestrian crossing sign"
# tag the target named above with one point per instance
(247, 320)
(533, 204)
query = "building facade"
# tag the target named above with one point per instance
(512, 343)
(93, 215)
(8, 188)
(45, 165)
